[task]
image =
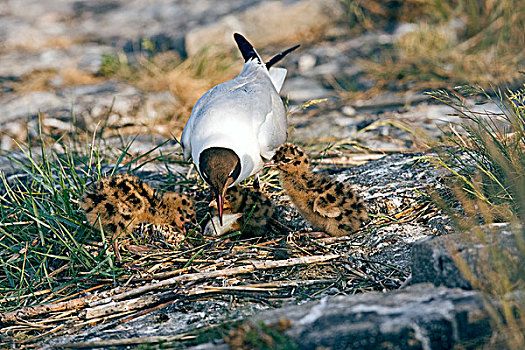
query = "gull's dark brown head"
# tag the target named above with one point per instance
(290, 159)
(219, 167)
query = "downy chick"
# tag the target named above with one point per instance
(123, 201)
(325, 203)
(247, 208)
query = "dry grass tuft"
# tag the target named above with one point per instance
(488, 167)
(39, 41)
(37, 80)
(73, 76)
(454, 41)
(197, 74)
(188, 80)
(41, 80)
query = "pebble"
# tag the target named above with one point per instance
(348, 111)
(306, 62)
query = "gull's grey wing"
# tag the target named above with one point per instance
(273, 131)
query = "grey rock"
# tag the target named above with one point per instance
(390, 185)
(32, 33)
(433, 259)
(165, 21)
(390, 122)
(182, 316)
(86, 58)
(121, 19)
(49, 34)
(108, 104)
(332, 124)
(91, 102)
(303, 18)
(34, 9)
(393, 182)
(15, 107)
(301, 89)
(431, 262)
(419, 317)
(327, 69)
(390, 99)
(119, 104)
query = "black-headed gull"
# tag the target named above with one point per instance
(236, 126)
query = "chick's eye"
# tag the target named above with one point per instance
(287, 160)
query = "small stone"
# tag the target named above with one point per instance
(404, 28)
(306, 62)
(349, 111)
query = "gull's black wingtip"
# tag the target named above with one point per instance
(280, 56)
(239, 37)
(247, 50)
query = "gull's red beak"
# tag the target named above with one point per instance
(219, 201)
(219, 198)
(219, 191)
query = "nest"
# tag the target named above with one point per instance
(290, 264)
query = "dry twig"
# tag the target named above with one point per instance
(249, 267)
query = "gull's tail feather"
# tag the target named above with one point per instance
(280, 56)
(277, 76)
(247, 50)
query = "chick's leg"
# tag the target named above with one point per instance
(257, 182)
(120, 232)
(116, 248)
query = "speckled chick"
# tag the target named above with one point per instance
(327, 204)
(256, 209)
(255, 206)
(123, 201)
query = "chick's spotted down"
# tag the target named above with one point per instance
(325, 203)
(246, 208)
(235, 127)
(123, 201)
